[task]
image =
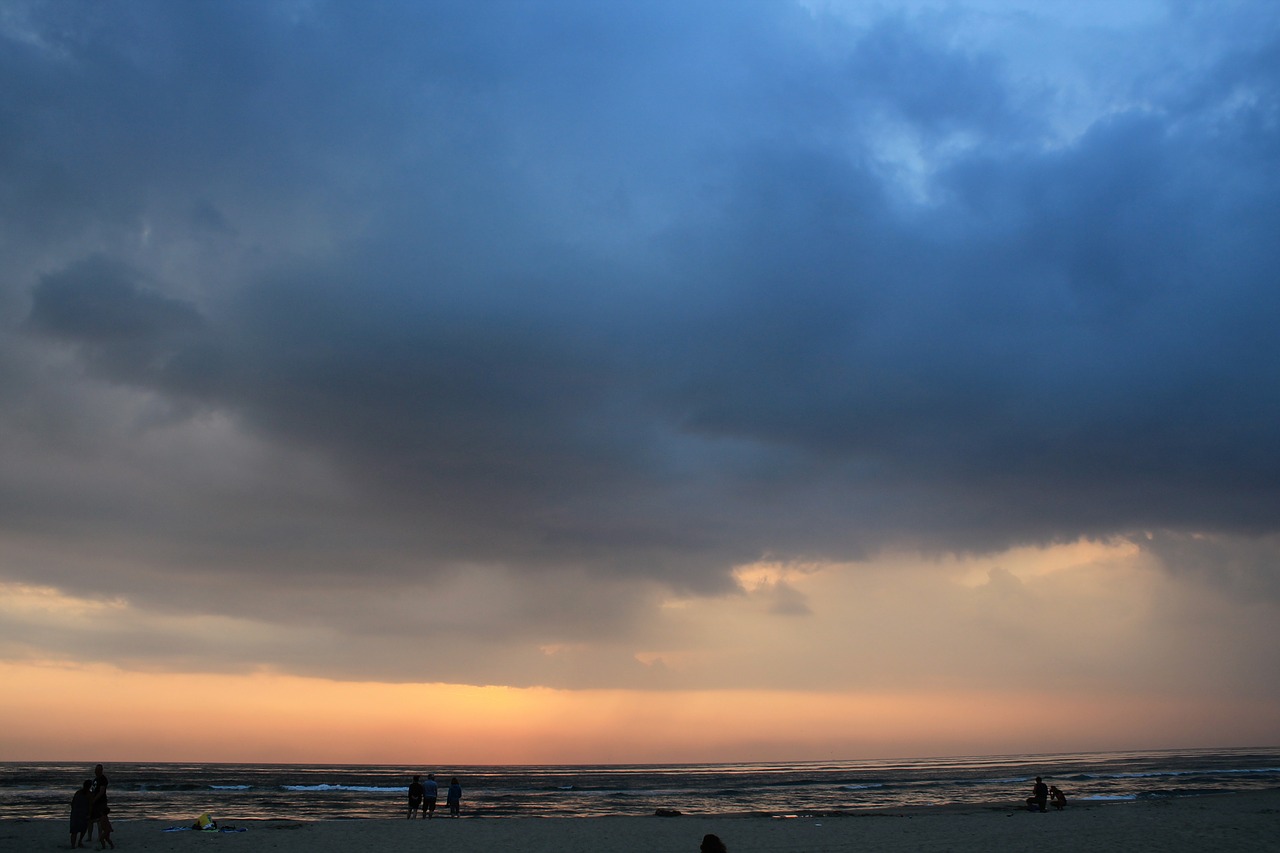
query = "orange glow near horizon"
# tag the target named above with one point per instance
(101, 714)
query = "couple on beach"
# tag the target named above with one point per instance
(89, 809)
(424, 794)
(1042, 794)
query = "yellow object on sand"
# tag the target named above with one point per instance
(205, 822)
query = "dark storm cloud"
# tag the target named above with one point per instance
(649, 290)
(123, 330)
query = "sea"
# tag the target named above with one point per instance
(229, 792)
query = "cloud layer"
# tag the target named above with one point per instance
(548, 313)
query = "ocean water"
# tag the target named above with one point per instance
(229, 792)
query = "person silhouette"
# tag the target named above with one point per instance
(1039, 796)
(712, 844)
(1056, 797)
(97, 800)
(431, 793)
(104, 831)
(454, 800)
(80, 813)
(416, 792)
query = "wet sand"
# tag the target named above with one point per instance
(1228, 822)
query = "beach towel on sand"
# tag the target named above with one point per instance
(204, 823)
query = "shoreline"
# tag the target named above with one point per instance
(1229, 821)
(1006, 806)
(307, 791)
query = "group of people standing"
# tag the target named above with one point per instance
(89, 809)
(423, 796)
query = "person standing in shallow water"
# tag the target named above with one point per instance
(454, 800)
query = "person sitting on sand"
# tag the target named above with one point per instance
(80, 814)
(712, 844)
(1039, 797)
(1057, 798)
(416, 793)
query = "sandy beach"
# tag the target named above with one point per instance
(1229, 822)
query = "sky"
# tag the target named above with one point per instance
(569, 381)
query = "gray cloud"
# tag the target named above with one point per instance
(308, 293)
